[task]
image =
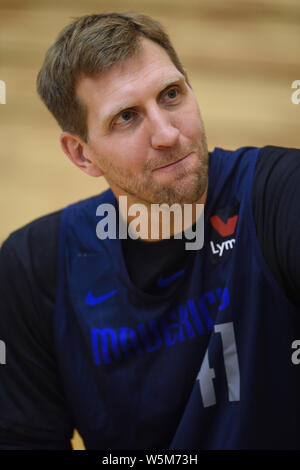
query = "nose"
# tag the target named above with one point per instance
(163, 132)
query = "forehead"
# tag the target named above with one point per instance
(131, 80)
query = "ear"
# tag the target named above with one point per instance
(187, 78)
(78, 152)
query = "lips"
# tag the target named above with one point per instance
(173, 164)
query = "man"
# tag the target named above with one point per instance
(137, 343)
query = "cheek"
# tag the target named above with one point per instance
(133, 148)
(189, 119)
(127, 153)
(192, 126)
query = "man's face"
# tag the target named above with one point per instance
(145, 129)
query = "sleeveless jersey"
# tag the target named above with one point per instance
(205, 365)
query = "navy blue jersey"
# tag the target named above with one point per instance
(206, 364)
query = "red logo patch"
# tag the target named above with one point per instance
(224, 229)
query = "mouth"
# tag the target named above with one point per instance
(175, 164)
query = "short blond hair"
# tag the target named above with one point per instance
(87, 46)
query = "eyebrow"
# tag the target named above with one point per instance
(130, 104)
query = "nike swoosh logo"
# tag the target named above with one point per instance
(165, 282)
(91, 300)
(224, 229)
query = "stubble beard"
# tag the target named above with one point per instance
(187, 188)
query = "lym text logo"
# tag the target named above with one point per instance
(223, 235)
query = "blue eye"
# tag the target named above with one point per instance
(126, 115)
(172, 93)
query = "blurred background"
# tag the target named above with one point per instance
(241, 56)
